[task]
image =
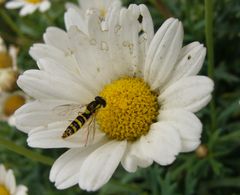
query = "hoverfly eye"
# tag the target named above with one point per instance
(104, 103)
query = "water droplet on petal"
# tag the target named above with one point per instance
(93, 42)
(117, 28)
(104, 46)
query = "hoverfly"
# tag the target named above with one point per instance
(83, 117)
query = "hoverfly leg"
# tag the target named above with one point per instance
(79, 113)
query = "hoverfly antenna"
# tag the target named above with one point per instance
(100, 100)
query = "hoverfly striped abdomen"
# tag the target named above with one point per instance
(82, 118)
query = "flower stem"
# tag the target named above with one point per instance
(10, 23)
(49, 19)
(210, 53)
(163, 9)
(26, 152)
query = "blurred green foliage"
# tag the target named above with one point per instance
(216, 172)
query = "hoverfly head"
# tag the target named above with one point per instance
(101, 101)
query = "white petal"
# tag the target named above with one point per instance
(43, 85)
(187, 124)
(140, 36)
(12, 121)
(163, 53)
(14, 4)
(162, 143)
(97, 4)
(66, 169)
(44, 6)
(74, 18)
(3, 174)
(13, 51)
(134, 157)
(10, 181)
(147, 24)
(191, 93)
(38, 51)
(59, 69)
(70, 72)
(190, 145)
(116, 51)
(98, 168)
(145, 38)
(27, 9)
(2, 45)
(21, 190)
(73, 6)
(70, 162)
(89, 59)
(189, 62)
(100, 49)
(50, 57)
(40, 113)
(57, 38)
(130, 38)
(50, 136)
(86, 4)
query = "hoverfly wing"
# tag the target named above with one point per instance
(68, 110)
(90, 130)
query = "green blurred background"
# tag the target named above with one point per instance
(213, 169)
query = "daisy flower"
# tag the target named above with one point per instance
(9, 103)
(28, 6)
(148, 83)
(8, 183)
(8, 67)
(78, 15)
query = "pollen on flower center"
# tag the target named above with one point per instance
(12, 103)
(131, 107)
(5, 60)
(103, 13)
(3, 190)
(34, 1)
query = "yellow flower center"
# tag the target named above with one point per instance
(34, 1)
(8, 78)
(2, 1)
(102, 13)
(131, 107)
(5, 60)
(3, 190)
(12, 103)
